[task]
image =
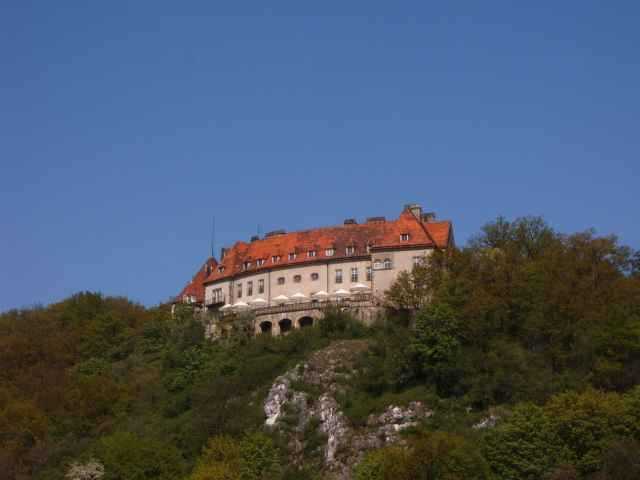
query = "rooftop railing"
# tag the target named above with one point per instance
(359, 300)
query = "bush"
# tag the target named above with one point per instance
(254, 457)
(126, 456)
(338, 324)
(437, 456)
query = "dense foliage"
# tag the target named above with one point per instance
(538, 331)
(136, 389)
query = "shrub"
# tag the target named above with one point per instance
(128, 456)
(437, 456)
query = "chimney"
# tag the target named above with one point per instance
(428, 217)
(223, 252)
(254, 238)
(415, 209)
(376, 220)
(274, 233)
(350, 221)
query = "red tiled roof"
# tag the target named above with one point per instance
(380, 235)
(195, 287)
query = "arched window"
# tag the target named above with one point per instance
(305, 322)
(285, 325)
(266, 327)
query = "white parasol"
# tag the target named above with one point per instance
(359, 288)
(298, 297)
(281, 299)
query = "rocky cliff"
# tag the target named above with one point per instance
(302, 406)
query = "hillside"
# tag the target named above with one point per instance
(522, 361)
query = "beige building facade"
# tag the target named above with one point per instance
(321, 264)
(287, 279)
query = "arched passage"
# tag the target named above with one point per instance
(305, 322)
(285, 325)
(266, 327)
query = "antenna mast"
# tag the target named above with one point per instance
(213, 235)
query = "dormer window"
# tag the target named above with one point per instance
(292, 256)
(404, 237)
(330, 252)
(351, 250)
(311, 253)
(246, 265)
(220, 269)
(275, 259)
(260, 262)
(369, 247)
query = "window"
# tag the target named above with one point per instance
(297, 278)
(292, 256)
(351, 250)
(368, 248)
(311, 253)
(404, 237)
(249, 289)
(261, 285)
(246, 265)
(260, 262)
(239, 287)
(330, 252)
(417, 261)
(377, 265)
(387, 263)
(217, 295)
(275, 259)
(220, 269)
(280, 280)
(354, 274)
(338, 276)
(369, 274)
(315, 276)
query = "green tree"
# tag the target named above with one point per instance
(389, 463)
(428, 456)
(126, 456)
(259, 458)
(435, 345)
(220, 460)
(524, 447)
(586, 423)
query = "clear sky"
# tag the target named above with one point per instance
(125, 126)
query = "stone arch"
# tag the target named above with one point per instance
(266, 327)
(285, 325)
(305, 322)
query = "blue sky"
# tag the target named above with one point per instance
(125, 126)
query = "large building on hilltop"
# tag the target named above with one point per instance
(284, 273)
